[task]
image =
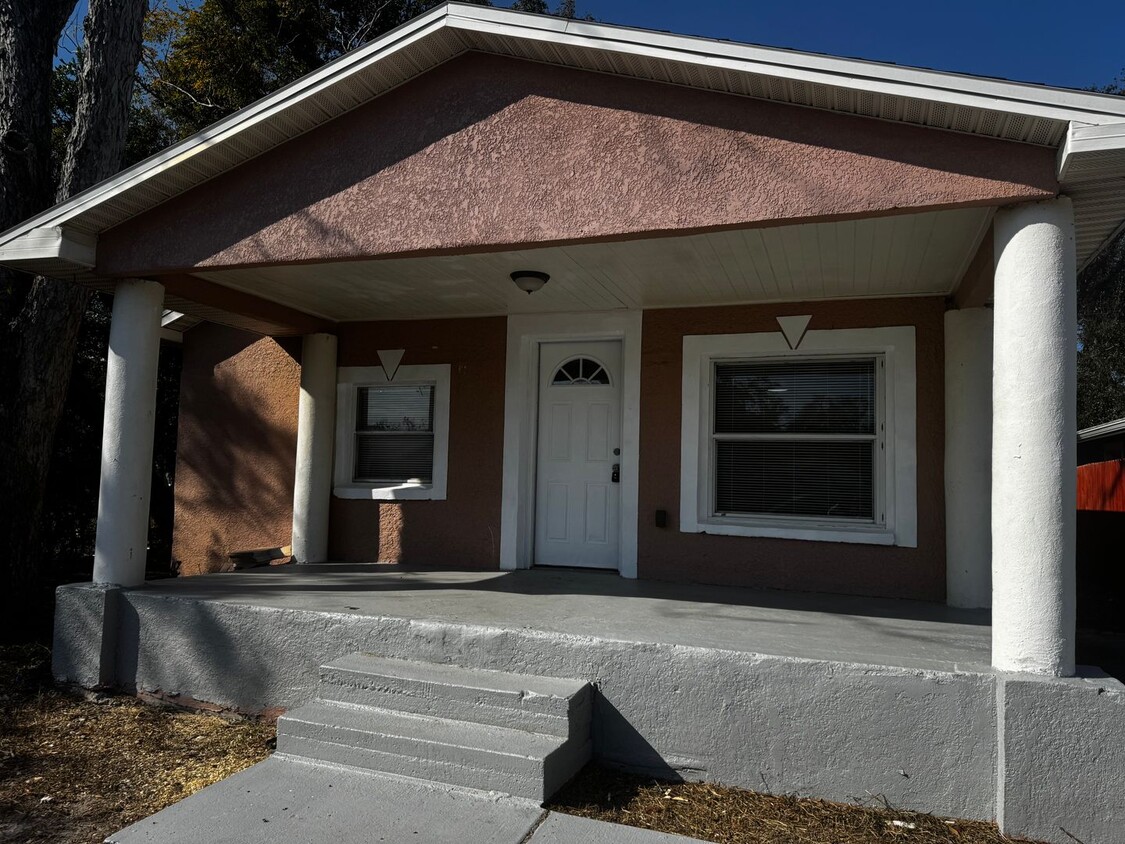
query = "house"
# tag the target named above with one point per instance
(500, 292)
(1101, 523)
(1102, 442)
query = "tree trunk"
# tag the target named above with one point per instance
(29, 31)
(109, 67)
(38, 351)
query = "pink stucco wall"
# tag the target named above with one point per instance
(237, 439)
(487, 152)
(463, 531)
(236, 445)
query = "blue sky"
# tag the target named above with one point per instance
(1075, 44)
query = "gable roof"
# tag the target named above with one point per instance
(62, 240)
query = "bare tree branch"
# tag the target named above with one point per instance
(202, 103)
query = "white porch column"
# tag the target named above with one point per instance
(1034, 449)
(968, 457)
(121, 543)
(316, 428)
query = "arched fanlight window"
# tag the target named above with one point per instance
(580, 370)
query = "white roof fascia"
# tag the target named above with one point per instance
(45, 242)
(1106, 429)
(1104, 145)
(864, 76)
(1083, 139)
(1023, 98)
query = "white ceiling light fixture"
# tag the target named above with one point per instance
(530, 280)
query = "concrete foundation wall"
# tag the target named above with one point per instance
(667, 554)
(924, 740)
(1061, 760)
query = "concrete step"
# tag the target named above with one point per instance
(478, 756)
(517, 701)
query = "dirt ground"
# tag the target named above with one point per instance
(73, 771)
(736, 816)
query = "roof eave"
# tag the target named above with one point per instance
(415, 41)
(49, 245)
(1106, 429)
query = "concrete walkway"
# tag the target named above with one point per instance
(283, 800)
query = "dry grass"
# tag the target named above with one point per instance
(74, 770)
(736, 816)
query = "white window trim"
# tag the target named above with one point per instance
(348, 380)
(899, 480)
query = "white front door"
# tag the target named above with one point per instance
(577, 490)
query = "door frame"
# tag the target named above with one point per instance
(526, 332)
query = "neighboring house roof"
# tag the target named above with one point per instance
(1115, 428)
(1088, 128)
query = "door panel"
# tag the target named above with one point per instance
(577, 505)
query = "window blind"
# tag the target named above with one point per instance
(795, 438)
(394, 433)
(828, 479)
(806, 397)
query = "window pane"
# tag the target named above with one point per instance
(829, 479)
(394, 457)
(399, 408)
(394, 438)
(800, 397)
(580, 371)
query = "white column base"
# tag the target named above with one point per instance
(1034, 448)
(316, 427)
(968, 457)
(121, 545)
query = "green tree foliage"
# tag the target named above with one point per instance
(565, 9)
(1101, 337)
(1101, 327)
(203, 62)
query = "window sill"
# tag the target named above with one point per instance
(863, 535)
(399, 492)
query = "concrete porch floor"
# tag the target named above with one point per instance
(857, 630)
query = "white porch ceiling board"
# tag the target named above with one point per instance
(734, 255)
(904, 244)
(905, 255)
(845, 248)
(615, 276)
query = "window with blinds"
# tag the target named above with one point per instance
(394, 434)
(796, 438)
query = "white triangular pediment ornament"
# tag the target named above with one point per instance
(794, 328)
(390, 359)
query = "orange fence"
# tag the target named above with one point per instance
(1101, 486)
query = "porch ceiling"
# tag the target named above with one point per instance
(902, 255)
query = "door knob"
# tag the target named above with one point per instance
(615, 476)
